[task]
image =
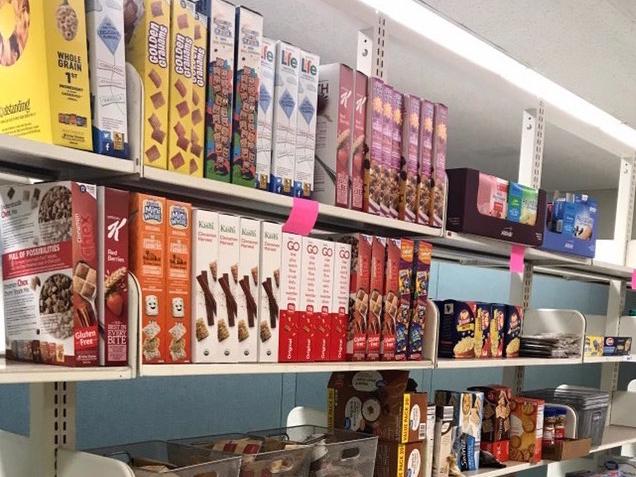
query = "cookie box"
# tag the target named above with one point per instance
(526, 429)
(495, 428)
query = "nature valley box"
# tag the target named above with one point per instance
(44, 54)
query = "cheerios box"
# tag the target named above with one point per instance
(43, 52)
(147, 35)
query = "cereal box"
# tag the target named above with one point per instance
(148, 39)
(147, 262)
(391, 299)
(199, 72)
(399, 460)
(106, 45)
(112, 285)
(358, 140)
(178, 285)
(285, 118)
(425, 162)
(438, 191)
(495, 427)
(322, 320)
(290, 283)
(405, 292)
(220, 91)
(44, 85)
(333, 134)
(265, 114)
(512, 331)
(247, 53)
(483, 313)
(205, 249)
(270, 299)
(457, 329)
(375, 145)
(408, 173)
(392, 196)
(340, 303)
(306, 124)
(387, 149)
(496, 333)
(247, 291)
(227, 269)
(526, 429)
(49, 272)
(376, 297)
(421, 272)
(180, 102)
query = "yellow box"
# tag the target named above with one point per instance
(199, 65)
(147, 31)
(44, 87)
(594, 345)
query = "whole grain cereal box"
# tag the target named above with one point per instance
(147, 34)
(340, 302)
(249, 36)
(358, 140)
(376, 297)
(405, 293)
(199, 72)
(373, 186)
(387, 150)
(270, 293)
(438, 191)
(220, 91)
(247, 291)
(106, 49)
(391, 299)
(425, 162)
(421, 274)
(408, 172)
(265, 114)
(392, 196)
(290, 285)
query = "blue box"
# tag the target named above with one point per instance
(579, 227)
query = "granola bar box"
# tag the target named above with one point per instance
(457, 329)
(112, 287)
(49, 265)
(147, 35)
(44, 54)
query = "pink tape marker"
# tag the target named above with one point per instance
(302, 217)
(517, 254)
(633, 279)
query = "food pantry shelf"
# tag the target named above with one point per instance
(609, 359)
(12, 372)
(446, 363)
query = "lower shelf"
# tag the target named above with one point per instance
(608, 359)
(447, 363)
(12, 372)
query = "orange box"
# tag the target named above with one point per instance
(147, 258)
(178, 290)
(526, 429)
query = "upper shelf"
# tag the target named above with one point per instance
(12, 372)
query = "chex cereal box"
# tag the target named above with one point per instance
(265, 114)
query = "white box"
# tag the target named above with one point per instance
(285, 118)
(271, 250)
(248, 288)
(265, 114)
(306, 125)
(225, 293)
(205, 249)
(311, 279)
(107, 61)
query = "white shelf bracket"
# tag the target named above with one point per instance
(624, 207)
(532, 141)
(378, 47)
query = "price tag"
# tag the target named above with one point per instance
(302, 217)
(633, 279)
(517, 254)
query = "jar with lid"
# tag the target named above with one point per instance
(559, 425)
(549, 424)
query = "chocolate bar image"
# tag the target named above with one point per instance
(230, 301)
(208, 297)
(252, 308)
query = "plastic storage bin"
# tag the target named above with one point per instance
(152, 458)
(261, 457)
(336, 451)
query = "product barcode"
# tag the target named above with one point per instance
(422, 434)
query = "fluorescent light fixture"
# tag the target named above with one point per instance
(429, 24)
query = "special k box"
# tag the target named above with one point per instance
(376, 297)
(265, 114)
(410, 143)
(147, 33)
(425, 164)
(310, 286)
(247, 291)
(227, 270)
(199, 74)
(391, 299)
(44, 86)
(358, 140)
(112, 285)
(147, 262)
(375, 142)
(340, 302)
(270, 299)
(290, 282)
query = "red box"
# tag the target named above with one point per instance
(438, 194)
(500, 449)
(340, 303)
(322, 318)
(425, 162)
(405, 292)
(376, 297)
(290, 297)
(358, 145)
(391, 299)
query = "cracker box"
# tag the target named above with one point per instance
(306, 124)
(593, 345)
(220, 91)
(496, 333)
(483, 313)
(180, 102)
(399, 460)
(333, 134)
(387, 149)
(340, 303)
(376, 297)
(270, 299)
(247, 52)
(285, 118)
(526, 429)
(199, 74)
(226, 289)
(112, 285)
(44, 85)
(374, 139)
(178, 284)
(393, 194)
(391, 299)
(290, 283)
(358, 140)
(405, 292)
(148, 40)
(457, 329)
(322, 322)
(106, 50)
(410, 143)
(265, 114)
(495, 427)
(513, 327)
(205, 249)
(49, 272)
(425, 162)
(438, 191)
(247, 291)
(421, 274)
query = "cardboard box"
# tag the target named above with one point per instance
(178, 282)
(410, 150)
(438, 192)
(112, 285)
(107, 62)
(249, 280)
(306, 124)
(421, 270)
(399, 460)
(205, 307)
(265, 114)
(496, 333)
(226, 298)
(457, 329)
(49, 272)
(567, 449)
(405, 292)
(270, 297)
(290, 282)
(391, 299)
(285, 118)
(199, 75)
(495, 428)
(443, 441)
(340, 304)
(512, 331)
(483, 312)
(148, 262)
(148, 40)
(593, 345)
(392, 196)
(427, 459)
(249, 35)
(387, 149)
(617, 346)
(376, 297)
(526, 429)
(358, 140)
(44, 85)
(333, 134)
(220, 91)
(375, 142)
(425, 162)
(322, 319)
(310, 286)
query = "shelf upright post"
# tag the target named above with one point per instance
(624, 208)
(371, 47)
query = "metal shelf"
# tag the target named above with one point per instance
(447, 363)
(12, 372)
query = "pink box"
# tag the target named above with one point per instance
(425, 162)
(410, 143)
(290, 282)
(375, 143)
(440, 137)
(356, 171)
(340, 303)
